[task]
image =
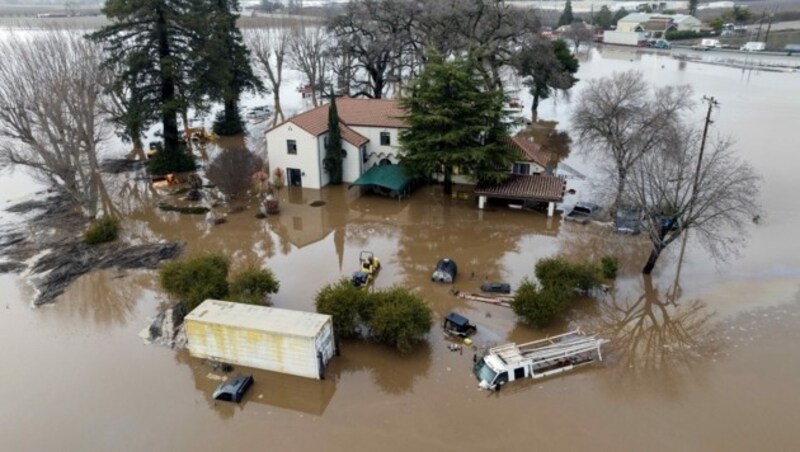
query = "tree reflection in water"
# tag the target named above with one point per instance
(657, 336)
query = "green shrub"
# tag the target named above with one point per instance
(164, 162)
(538, 305)
(226, 126)
(400, 318)
(104, 229)
(196, 279)
(252, 286)
(392, 316)
(686, 34)
(555, 271)
(342, 301)
(610, 266)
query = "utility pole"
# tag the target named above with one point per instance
(769, 26)
(711, 104)
(760, 24)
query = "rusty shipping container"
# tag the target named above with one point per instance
(280, 340)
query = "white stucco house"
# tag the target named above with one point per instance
(369, 127)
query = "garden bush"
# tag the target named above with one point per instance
(164, 162)
(252, 286)
(686, 34)
(342, 301)
(400, 318)
(610, 266)
(196, 279)
(555, 271)
(538, 305)
(395, 316)
(104, 229)
(226, 126)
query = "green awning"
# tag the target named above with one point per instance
(390, 177)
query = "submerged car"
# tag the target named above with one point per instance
(496, 287)
(459, 325)
(234, 389)
(583, 212)
(445, 272)
(628, 221)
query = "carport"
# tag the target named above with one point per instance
(539, 187)
(389, 180)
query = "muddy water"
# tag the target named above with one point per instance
(709, 364)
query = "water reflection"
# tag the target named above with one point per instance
(656, 336)
(393, 373)
(273, 389)
(107, 297)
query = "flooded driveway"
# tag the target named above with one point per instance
(707, 363)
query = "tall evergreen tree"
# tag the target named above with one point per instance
(693, 7)
(604, 18)
(454, 123)
(222, 61)
(151, 41)
(566, 17)
(333, 148)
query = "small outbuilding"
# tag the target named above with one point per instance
(533, 189)
(280, 340)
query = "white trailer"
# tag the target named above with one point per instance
(537, 359)
(753, 46)
(626, 38)
(280, 340)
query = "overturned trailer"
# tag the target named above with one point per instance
(537, 359)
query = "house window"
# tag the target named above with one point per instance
(386, 139)
(364, 155)
(521, 168)
(291, 147)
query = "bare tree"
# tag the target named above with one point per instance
(578, 33)
(49, 112)
(307, 48)
(620, 119)
(376, 35)
(715, 198)
(269, 47)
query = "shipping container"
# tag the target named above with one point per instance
(624, 38)
(280, 340)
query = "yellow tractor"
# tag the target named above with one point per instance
(369, 263)
(368, 267)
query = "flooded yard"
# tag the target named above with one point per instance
(708, 362)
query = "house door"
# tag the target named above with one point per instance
(293, 174)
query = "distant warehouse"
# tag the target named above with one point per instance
(280, 340)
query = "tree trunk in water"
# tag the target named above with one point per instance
(535, 109)
(448, 180)
(137, 153)
(169, 118)
(276, 99)
(651, 261)
(622, 175)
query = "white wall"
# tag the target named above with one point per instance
(307, 158)
(375, 151)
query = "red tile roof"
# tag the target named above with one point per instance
(530, 151)
(352, 112)
(538, 187)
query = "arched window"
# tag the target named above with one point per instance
(385, 162)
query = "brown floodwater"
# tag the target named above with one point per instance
(708, 364)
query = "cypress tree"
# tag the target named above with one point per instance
(566, 17)
(333, 149)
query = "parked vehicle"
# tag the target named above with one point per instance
(792, 49)
(361, 279)
(537, 359)
(496, 287)
(708, 44)
(583, 212)
(458, 325)
(368, 266)
(628, 221)
(234, 389)
(445, 271)
(753, 46)
(259, 113)
(661, 44)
